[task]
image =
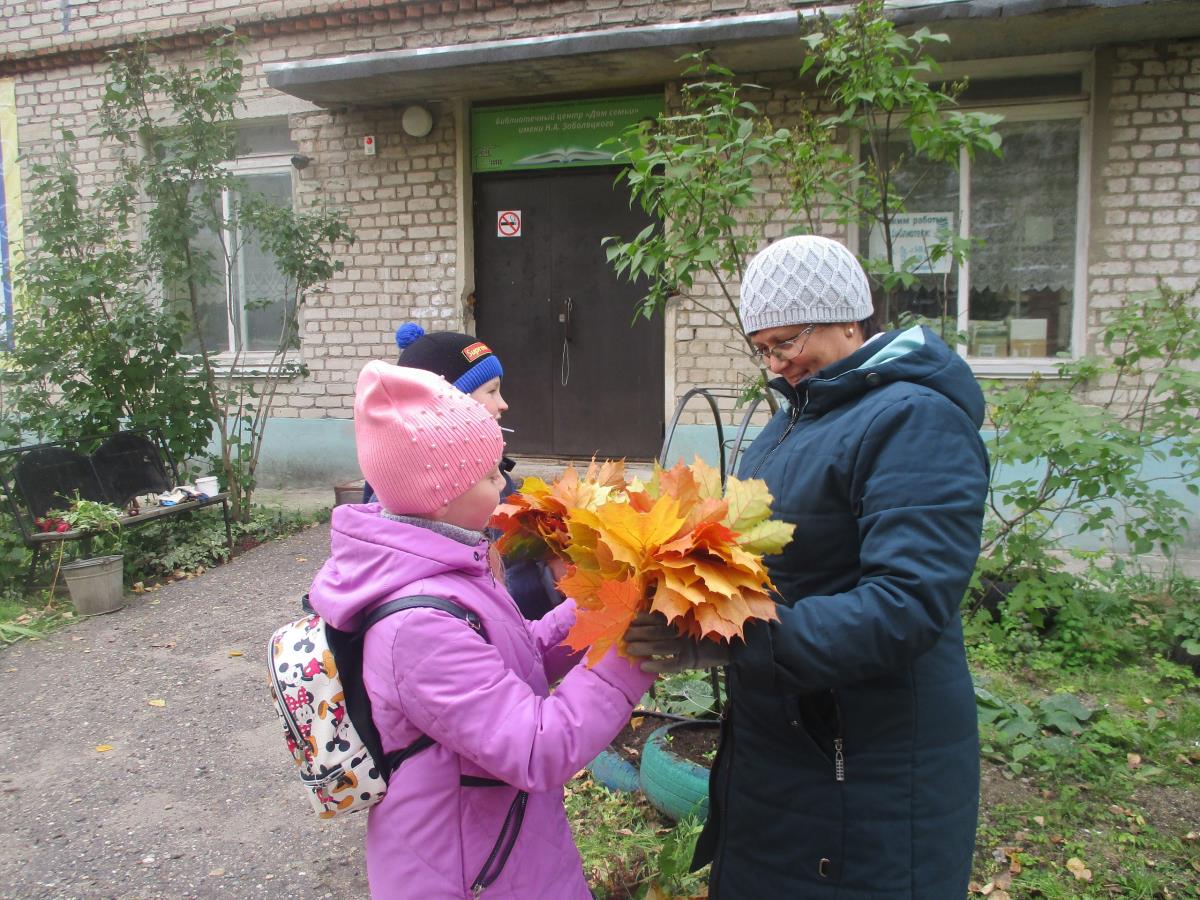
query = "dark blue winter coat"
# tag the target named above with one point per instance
(849, 761)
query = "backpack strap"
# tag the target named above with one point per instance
(394, 606)
(392, 761)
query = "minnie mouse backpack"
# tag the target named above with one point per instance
(317, 685)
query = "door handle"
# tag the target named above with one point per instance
(564, 319)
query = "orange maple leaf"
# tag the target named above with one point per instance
(603, 625)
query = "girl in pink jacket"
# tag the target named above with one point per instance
(480, 811)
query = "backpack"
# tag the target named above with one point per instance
(317, 685)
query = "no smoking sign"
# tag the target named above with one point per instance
(508, 223)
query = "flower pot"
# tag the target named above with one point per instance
(676, 786)
(96, 585)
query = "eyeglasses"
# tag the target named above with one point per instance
(785, 350)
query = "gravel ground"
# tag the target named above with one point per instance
(196, 798)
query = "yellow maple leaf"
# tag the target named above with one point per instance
(633, 536)
(749, 503)
(767, 538)
(708, 478)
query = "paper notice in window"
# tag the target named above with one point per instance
(914, 236)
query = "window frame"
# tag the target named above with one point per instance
(1026, 110)
(231, 360)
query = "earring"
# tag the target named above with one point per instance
(849, 332)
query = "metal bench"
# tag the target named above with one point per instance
(114, 469)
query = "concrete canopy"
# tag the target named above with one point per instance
(640, 56)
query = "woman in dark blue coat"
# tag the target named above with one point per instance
(849, 759)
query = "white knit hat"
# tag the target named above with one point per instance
(804, 279)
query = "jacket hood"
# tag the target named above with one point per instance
(373, 559)
(915, 355)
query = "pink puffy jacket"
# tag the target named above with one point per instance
(443, 829)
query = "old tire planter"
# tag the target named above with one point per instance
(676, 786)
(614, 771)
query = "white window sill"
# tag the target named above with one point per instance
(1013, 367)
(252, 364)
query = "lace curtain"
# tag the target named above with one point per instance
(1023, 207)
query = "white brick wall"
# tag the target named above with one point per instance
(1146, 218)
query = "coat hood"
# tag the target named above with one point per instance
(914, 355)
(373, 559)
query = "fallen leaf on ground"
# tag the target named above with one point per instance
(235, 653)
(103, 748)
(635, 722)
(156, 702)
(1076, 867)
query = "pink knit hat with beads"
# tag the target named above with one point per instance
(421, 441)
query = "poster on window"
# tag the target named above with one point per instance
(914, 234)
(10, 205)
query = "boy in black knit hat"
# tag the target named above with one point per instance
(470, 365)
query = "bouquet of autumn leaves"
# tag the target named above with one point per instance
(677, 544)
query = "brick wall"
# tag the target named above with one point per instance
(1146, 205)
(1145, 181)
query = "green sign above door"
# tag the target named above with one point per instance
(553, 135)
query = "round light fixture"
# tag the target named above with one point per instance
(416, 121)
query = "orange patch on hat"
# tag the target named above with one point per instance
(476, 350)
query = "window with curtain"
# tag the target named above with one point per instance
(244, 306)
(1017, 296)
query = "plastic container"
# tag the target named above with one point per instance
(96, 585)
(208, 485)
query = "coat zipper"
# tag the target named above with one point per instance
(793, 417)
(504, 845)
(839, 756)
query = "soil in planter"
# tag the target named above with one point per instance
(695, 743)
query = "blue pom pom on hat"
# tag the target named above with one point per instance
(408, 333)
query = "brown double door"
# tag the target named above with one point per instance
(581, 377)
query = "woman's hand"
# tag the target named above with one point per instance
(662, 650)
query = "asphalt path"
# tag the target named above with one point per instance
(197, 796)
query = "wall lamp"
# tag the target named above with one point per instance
(416, 121)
